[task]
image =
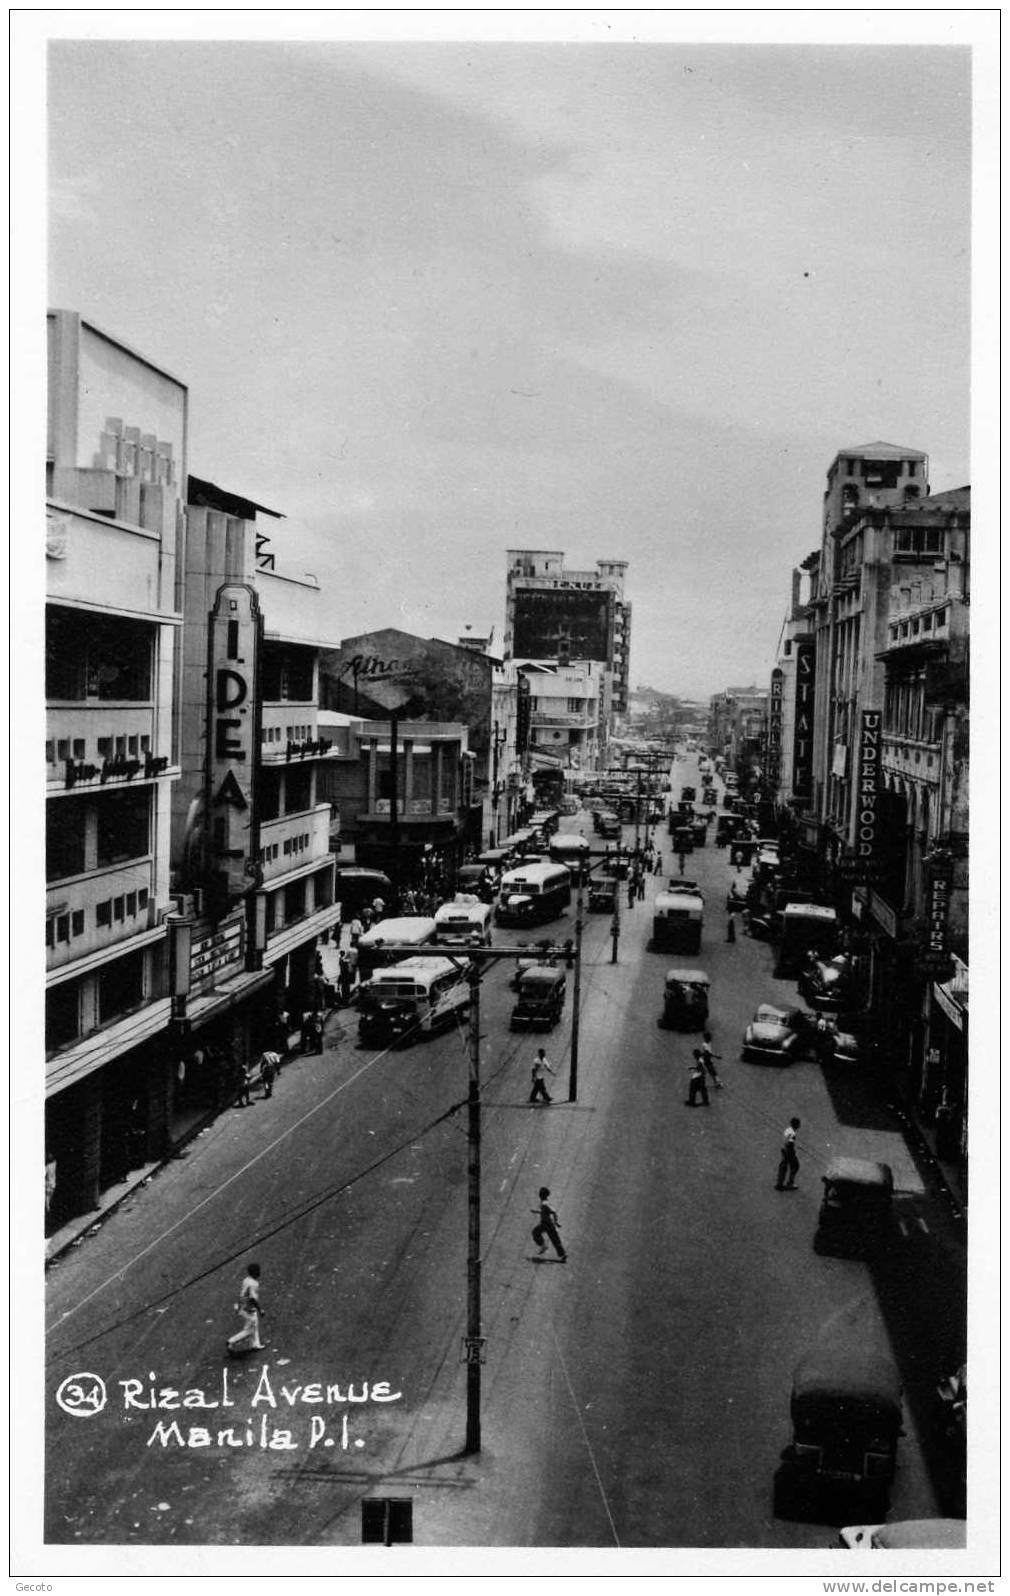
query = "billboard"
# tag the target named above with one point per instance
(868, 817)
(563, 623)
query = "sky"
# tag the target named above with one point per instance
(627, 300)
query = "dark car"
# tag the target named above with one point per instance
(829, 983)
(541, 998)
(603, 894)
(778, 1036)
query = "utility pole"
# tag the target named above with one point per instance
(573, 1069)
(394, 808)
(474, 1339)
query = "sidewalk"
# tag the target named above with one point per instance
(74, 1231)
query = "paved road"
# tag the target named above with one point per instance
(635, 1396)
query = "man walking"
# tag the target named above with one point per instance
(245, 1088)
(697, 1086)
(547, 1225)
(789, 1164)
(269, 1065)
(345, 977)
(708, 1058)
(539, 1070)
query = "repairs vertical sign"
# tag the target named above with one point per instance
(803, 724)
(233, 736)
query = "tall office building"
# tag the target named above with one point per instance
(552, 613)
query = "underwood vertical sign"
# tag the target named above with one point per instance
(868, 788)
(803, 726)
(233, 740)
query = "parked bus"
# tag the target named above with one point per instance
(534, 894)
(677, 920)
(466, 921)
(418, 930)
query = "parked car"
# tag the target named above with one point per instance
(855, 1211)
(782, 1035)
(922, 1534)
(828, 983)
(846, 1411)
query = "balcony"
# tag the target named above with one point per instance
(584, 721)
(291, 734)
(86, 914)
(294, 841)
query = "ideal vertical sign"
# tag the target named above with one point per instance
(233, 740)
(868, 787)
(803, 724)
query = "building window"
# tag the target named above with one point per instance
(124, 826)
(120, 986)
(97, 656)
(142, 899)
(131, 904)
(50, 752)
(51, 931)
(63, 928)
(65, 823)
(77, 923)
(103, 913)
(62, 1014)
(78, 746)
(104, 746)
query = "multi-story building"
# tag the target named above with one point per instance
(401, 786)
(848, 603)
(394, 674)
(252, 859)
(736, 727)
(788, 759)
(116, 474)
(564, 615)
(566, 707)
(925, 768)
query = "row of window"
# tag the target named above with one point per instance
(60, 749)
(65, 927)
(290, 734)
(916, 625)
(918, 540)
(291, 845)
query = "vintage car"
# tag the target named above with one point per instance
(855, 1211)
(779, 1036)
(846, 1411)
(603, 894)
(685, 1000)
(912, 1534)
(828, 983)
(540, 1000)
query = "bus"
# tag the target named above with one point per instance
(418, 930)
(411, 999)
(534, 894)
(677, 920)
(466, 921)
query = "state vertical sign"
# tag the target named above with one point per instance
(234, 729)
(803, 722)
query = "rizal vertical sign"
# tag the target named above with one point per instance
(233, 739)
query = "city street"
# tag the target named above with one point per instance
(637, 1395)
